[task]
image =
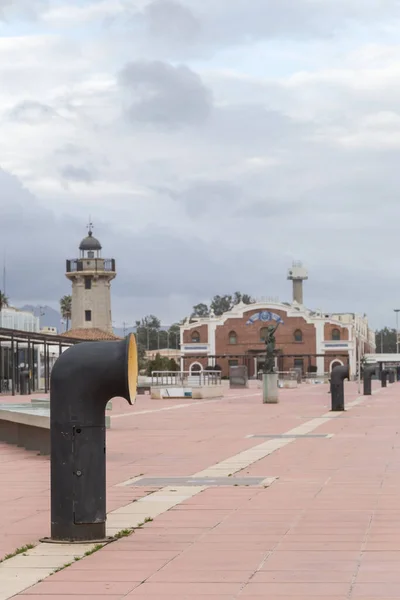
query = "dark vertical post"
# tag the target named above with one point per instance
(2, 375)
(17, 361)
(384, 376)
(391, 376)
(83, 380)
(46, 367)
(29, 363)
(338, 375)
(12, 365)
(369, 372)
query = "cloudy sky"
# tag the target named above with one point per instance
(212, 142)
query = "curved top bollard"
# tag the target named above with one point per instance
(369, 372)
(338, 375)
(86, 376)
(83, 380)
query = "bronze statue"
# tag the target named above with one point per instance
(270, 343)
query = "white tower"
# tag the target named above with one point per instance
(297, 274)
(91, 277)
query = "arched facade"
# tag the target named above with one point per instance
(335, 363)
(304, 339)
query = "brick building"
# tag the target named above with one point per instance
(310, 340)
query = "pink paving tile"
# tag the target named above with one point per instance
(95, 575)
(82, 588)
(68, 596)
(376, 590)
(275, 590)
(181, 590)
(314, 576)
(173, 574)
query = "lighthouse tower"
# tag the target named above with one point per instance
(91, 277)
(297, 274)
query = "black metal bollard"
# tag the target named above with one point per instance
(83, 380)
(391, 376)
(369, 372)
(384, 377)
(24, 382)
(338, 375)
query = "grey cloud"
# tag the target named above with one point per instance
(207, 197)
(31, 112)
(271, 209)
(70, 149)
(168, 19)
(78, 174)
(202, 27)
(37, 243)
(25, 9)
(163, 95)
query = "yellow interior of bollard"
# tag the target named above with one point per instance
(132, 367)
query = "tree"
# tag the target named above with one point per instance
(385, 341)
(170, 338)
(4, 300)
(161, 363)
(221, 304)
(200, 310)
(147, 332)
(66, 308)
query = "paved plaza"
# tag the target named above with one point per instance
(308, 506)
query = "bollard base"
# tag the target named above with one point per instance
(106, 540)
(270, 388)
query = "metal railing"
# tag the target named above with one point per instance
(76, 265)
(185, 378)
(282, 375)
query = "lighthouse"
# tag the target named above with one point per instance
(91, 277)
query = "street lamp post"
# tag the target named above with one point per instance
(397, 310)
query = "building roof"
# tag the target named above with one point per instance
(92, 334)
(90, 243)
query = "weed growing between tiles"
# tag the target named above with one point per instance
(123, 533)
(18, 551)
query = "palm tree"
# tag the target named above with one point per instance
(4, 300)
(65, 308)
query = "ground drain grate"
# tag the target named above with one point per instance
(197, 481)
(288, 436)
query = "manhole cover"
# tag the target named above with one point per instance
(197, 481)
(289, 436)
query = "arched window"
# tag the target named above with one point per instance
(195, 337)
(233, 337)
(335, 335)
(263, 333)
(298, 335)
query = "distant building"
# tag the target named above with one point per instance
(21, 320)
(90, 335)
(49, 330)
(308, 340)
(164, 353)
(91, 277)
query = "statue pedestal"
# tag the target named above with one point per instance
(270, 388)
